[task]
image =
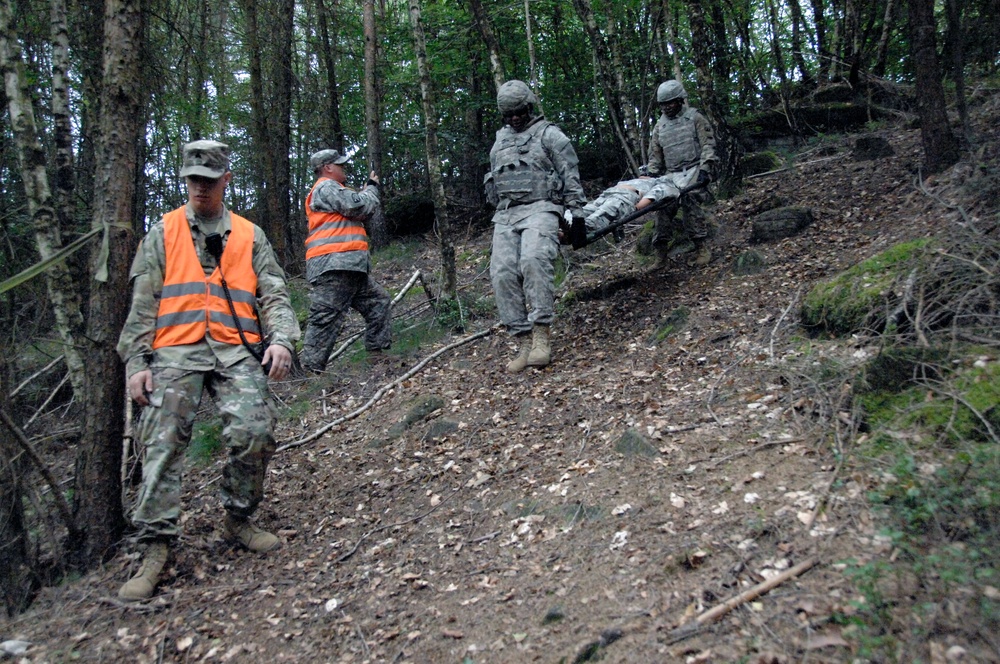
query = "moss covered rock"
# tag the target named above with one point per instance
(861, 297)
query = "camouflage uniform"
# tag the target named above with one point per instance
(341, 280)
(229, 372)
(680, 147)
(617, 201)
(533, 178)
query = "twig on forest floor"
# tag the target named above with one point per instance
(385, 389)
(748, 450)
(691, 628)
(711, 392)
(777, 326)
(46, 402)
(30, 379)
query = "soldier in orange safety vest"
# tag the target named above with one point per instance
(337, 262)
(210, 307)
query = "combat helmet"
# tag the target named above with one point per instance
(514, 95)
(670, 90)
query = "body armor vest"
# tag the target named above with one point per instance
(679, 139)
(522, 170)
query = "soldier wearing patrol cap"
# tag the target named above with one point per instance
(337, 262)
(208, 295)
(533, 180)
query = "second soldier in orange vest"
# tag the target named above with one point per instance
(337, 261)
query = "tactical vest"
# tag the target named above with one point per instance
(679, 139)
(522, 170)
(192, 304)
(332, 232)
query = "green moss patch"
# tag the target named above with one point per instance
(859, 298)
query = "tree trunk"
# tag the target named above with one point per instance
(442, 222)
(378, 234)
(940, 146)
(778, 57)
(882, 51)
(17, 585)
(31, 156)
(954, 37)
(62, 135)
(798, 48)
(532, 65)
(603, 73)
(333, 129)
(822, 50)
(490, 39)
(98, 501)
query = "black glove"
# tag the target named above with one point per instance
(578, 232)
(703, 178)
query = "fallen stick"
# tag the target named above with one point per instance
(690, 629)
(385, 388)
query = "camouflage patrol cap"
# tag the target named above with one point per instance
(320, 159)
(514, 95)
(209, 159)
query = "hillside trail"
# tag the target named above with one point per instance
(668, 460)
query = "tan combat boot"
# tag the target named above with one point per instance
(250, 536)
(541, 351)
(518, 364)
(141, 585)
(703, 255)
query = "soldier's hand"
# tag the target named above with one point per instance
(578, 231)
(140, 386)
(280, 359)
(704, 178)
(372, 179)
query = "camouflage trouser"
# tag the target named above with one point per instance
(522, 268)
(695, 224)
(248, 418)
(331, 295)
(608, 207)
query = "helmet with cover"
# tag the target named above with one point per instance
(669, 91)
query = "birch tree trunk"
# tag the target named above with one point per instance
(442, 222)
(62, 135)
(98, 505)
(377, 233)
(31, 157)
(490, 39)
(532, 65)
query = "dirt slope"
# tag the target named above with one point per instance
(582, 511)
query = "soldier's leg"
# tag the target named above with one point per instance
(248, 418)
(539, 248)
(698, 226)
(329, 300)
(372, 302)
(165, 431)
(507, 281)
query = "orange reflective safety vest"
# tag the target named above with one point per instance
(332, 232)
(192, 304)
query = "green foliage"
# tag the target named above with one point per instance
(856, 299)
(206, 441)
(671, 323)
(940, 500)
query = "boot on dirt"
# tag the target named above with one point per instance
(703, 255)
(249, 535)
(141, 585)
(541, 351)
(518, 364)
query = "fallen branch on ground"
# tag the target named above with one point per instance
(386, 388)
(690, 629)
(57, 495)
